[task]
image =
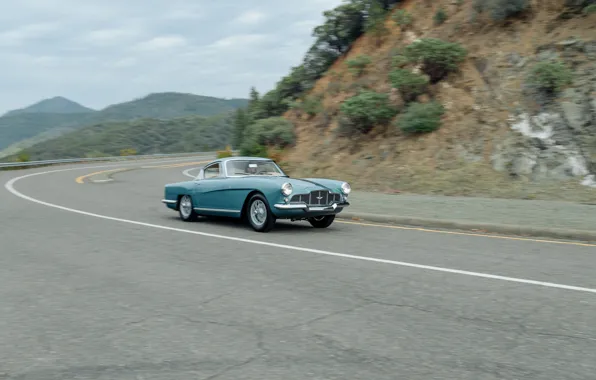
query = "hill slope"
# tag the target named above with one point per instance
(21, 130)
(144, 136)
(56, 105)
(491, 127)
(167, 105)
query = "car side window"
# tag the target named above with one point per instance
(212, 171)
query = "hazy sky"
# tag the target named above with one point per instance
(99, 52)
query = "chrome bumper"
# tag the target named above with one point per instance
(305, 207)
(167, 201)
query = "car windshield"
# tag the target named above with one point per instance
(256, 167)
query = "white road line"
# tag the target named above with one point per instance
(186, 172)
(10, 187)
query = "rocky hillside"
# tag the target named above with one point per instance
(510, 111)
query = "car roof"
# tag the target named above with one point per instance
(226, 159)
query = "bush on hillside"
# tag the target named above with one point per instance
(403, 19)
(440, 17)
(438, 57)
(363, 111)
(128, 152)
(313, 105)
(358, 65)
(590, 9)
(253, 149)
(421, 118)
(409, 84)
(550, 76)
(500, 10)
(272, 132)
(23, 156)
(399, 60)
(225, 153)
(579, 3)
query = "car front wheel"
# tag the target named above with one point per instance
(321, 221)
(186, 209)
(259, 214)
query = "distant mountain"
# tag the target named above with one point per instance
(20, 130)
(57, 104)
(144, 136)
(167, 105)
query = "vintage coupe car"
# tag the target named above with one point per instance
(256, 189)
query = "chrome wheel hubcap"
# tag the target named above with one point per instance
(258, 212)
(185, 206)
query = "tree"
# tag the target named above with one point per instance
(375, 22)
(438, 57)
(240, 124)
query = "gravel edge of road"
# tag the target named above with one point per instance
(505, 229)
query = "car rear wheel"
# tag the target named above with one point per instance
(321, 221)
(186, 209)
(259, 215)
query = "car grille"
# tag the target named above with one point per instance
(317, 198)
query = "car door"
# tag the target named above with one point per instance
(210, 191)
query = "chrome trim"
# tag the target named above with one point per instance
(214, 209)
(294, 206)
(168, 201)
(304, 206)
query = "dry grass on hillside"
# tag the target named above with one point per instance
(455, 159)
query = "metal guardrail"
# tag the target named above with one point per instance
(99, 159)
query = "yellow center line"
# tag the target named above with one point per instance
(468, 234)
(81, 178)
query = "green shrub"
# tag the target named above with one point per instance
(421, 118)
(358, 65)
(500, 10)
(128, 152)
(550, 76)
(399, 60)
(225, 153)
(440, 17)
(363, 111)
(313, 105)
(409, 84)
(253, 149)
(23, 156)
(402, 18)
(438, 57)
(590, 9)
(272, 132)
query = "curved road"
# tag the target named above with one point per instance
(98, 280)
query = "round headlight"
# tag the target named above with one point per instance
(345, 188)
(286, 189)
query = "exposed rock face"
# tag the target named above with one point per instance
(559, 141)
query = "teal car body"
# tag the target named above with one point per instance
(225, 187)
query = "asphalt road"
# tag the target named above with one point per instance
(114, 286)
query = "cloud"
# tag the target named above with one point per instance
(110, 36)
(239, 41)
(86, 50)
(162, 43)
(22, 34)
(250, 17)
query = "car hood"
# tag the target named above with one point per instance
(301, 184)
